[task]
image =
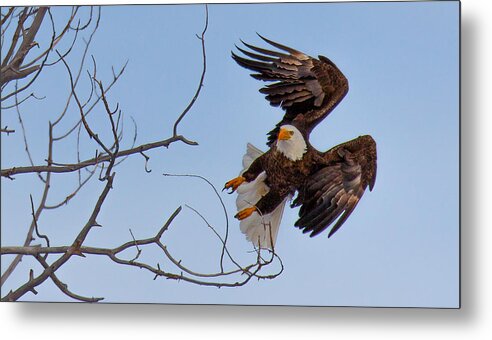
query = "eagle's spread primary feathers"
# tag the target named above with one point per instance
(328, 184)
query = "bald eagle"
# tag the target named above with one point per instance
(328, 184)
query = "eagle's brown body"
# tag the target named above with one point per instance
(328, 184)
(285, 177)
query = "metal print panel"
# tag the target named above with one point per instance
(142, 164)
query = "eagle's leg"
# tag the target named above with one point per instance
(245, 213)
(234, 183)
(264, 206)
(249, 175)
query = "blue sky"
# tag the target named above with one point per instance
(400, 246)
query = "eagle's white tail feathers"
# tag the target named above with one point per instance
(260, 230)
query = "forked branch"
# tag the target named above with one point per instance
(107, 153)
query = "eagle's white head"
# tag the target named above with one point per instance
(291, 143)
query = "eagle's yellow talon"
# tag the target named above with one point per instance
(245, 213)
(234, 183)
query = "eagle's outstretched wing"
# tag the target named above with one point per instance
(335, 189)
(303, 85)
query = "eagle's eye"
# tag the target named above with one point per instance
(291, 132)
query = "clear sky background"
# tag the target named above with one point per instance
(399, 247)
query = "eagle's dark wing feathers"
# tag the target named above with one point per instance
(334, 190)
(302, 85)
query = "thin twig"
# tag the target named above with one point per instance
(7, 130)
(202, 78)
(24, 135)
(36, 227)
(139, 251)
(79, 72)
(224, 241)
(64, 287)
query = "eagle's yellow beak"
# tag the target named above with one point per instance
(284, 134)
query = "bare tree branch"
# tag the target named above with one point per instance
(39, 210)
(202, 78)
(74, 249)
(104, 155)
(18, 102)
(14, 66)
(80, 69)
(251, 270)
(63, 168)
(7, 130)
(64, 287)
(224, 241)
(25, 13)
(7, 15)
(24, 135)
